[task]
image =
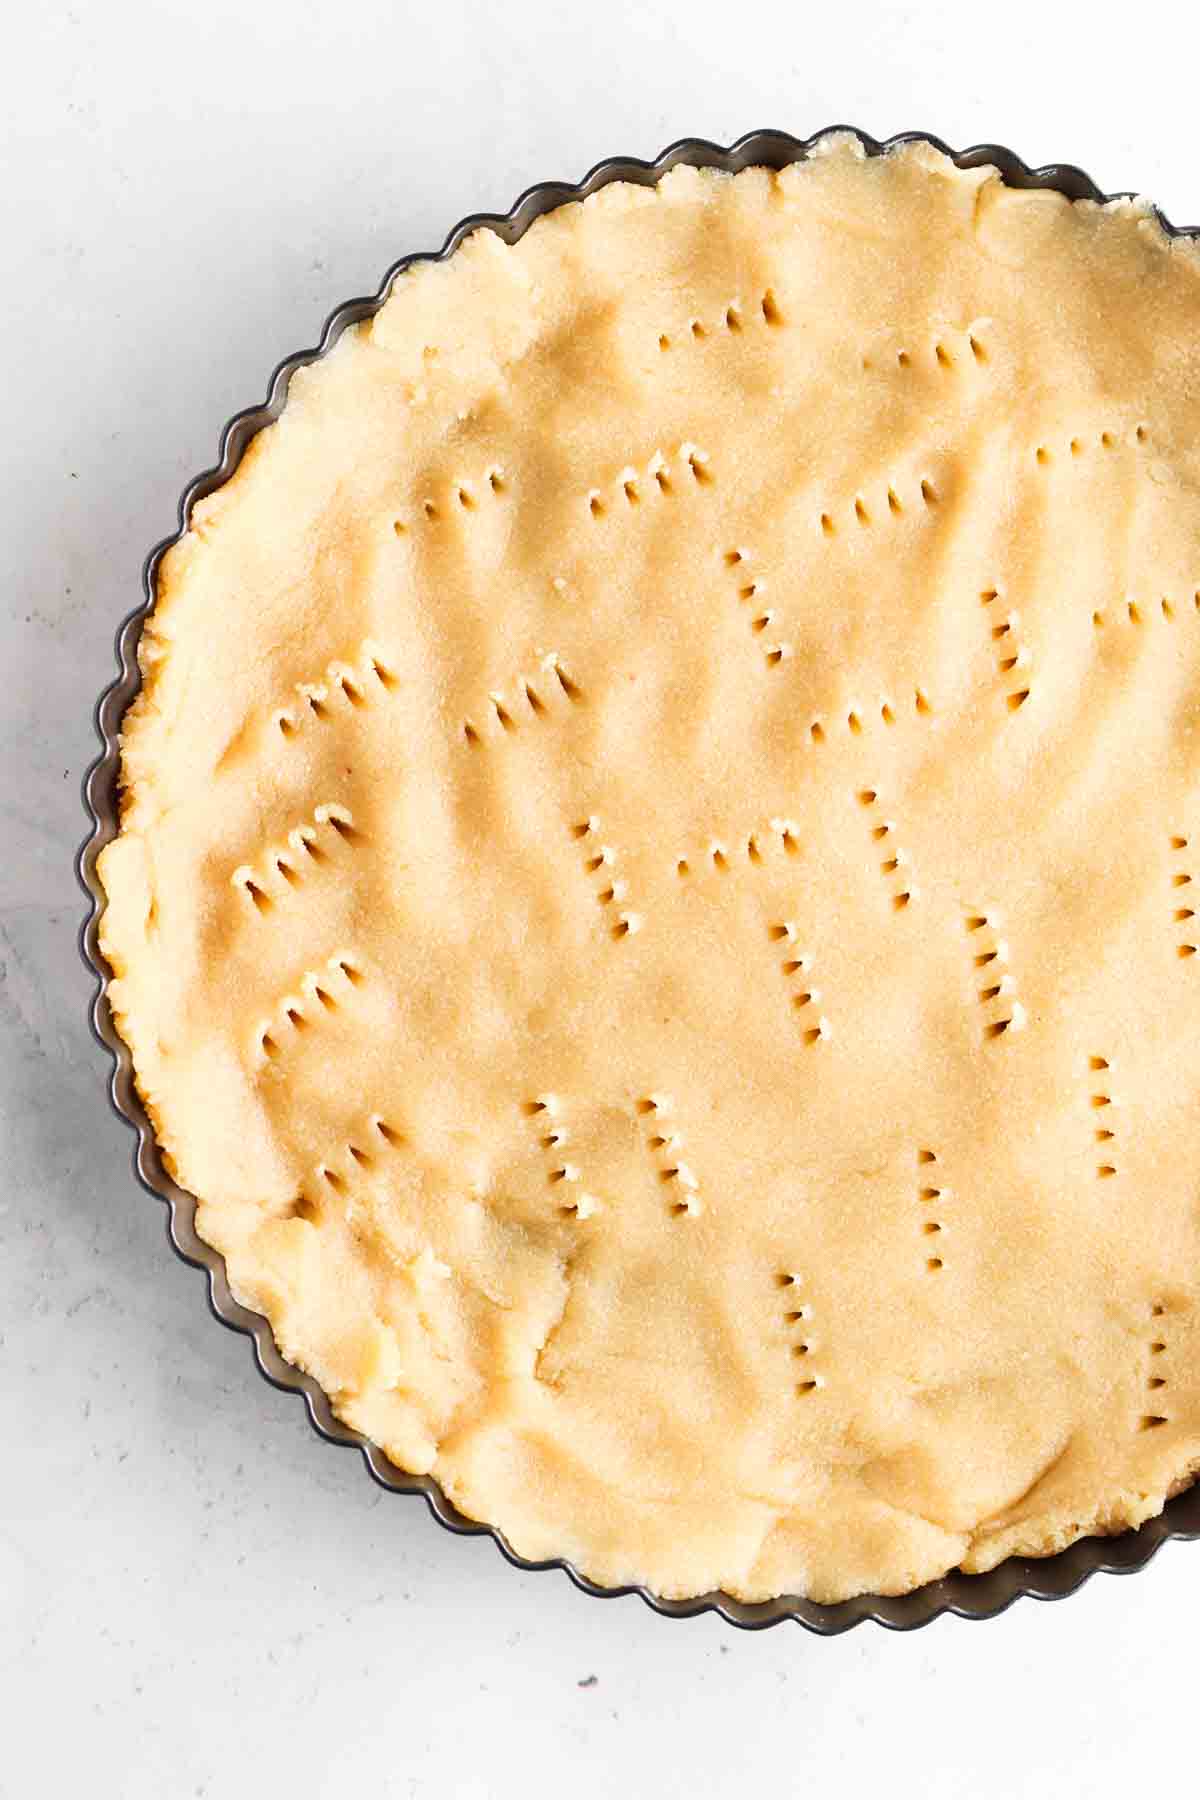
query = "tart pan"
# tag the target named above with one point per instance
(970, 1596)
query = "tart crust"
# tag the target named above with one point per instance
(653, 907)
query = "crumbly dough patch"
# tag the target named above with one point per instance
(655, 901)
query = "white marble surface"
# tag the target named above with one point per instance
(197, 1597)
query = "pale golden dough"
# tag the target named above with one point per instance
(653, 907)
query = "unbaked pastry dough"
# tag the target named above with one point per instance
(654, 907)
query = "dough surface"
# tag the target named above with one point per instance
(654, 907)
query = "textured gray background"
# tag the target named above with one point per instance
(196, 1597)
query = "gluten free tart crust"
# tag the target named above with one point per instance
(652, 902)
